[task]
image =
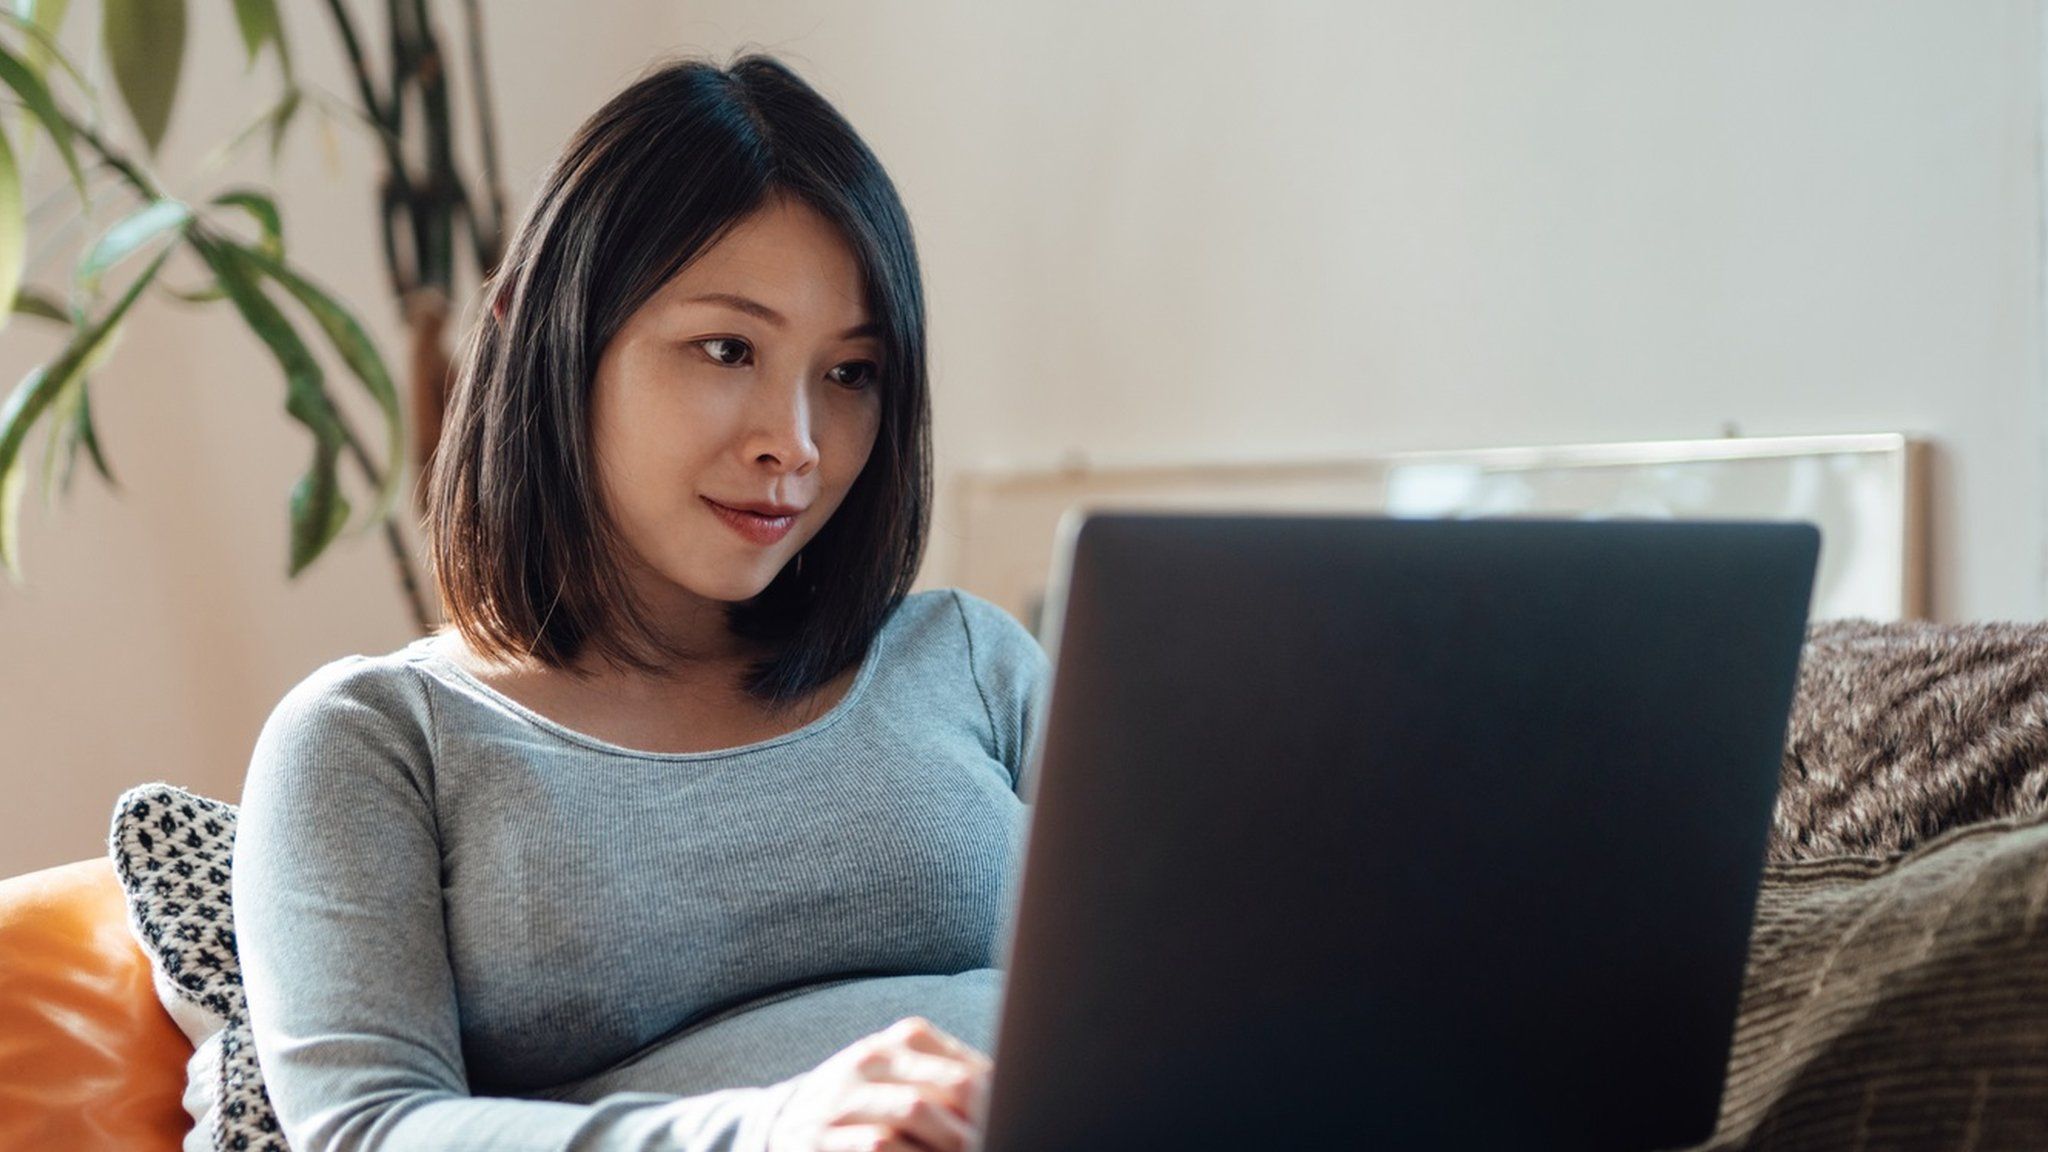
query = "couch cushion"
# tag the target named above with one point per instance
(1898, 1003)
(89, 1061)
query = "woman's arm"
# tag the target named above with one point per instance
(338, 914)
(1014, 677)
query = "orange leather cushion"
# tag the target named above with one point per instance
(89, 1060)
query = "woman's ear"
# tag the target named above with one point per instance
(501, 299)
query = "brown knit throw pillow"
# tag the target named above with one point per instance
(1897, 995)
(1902, 731)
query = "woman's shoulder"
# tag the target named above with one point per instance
(344, 755)
(963, 622)
(389, 676)
(987, 662)
(945, 632)
(356, 696)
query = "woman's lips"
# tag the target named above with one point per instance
(756, 528)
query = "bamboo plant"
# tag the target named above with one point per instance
(135, 226)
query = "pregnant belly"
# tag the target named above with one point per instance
(780, 1037)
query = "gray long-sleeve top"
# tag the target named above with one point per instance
(465, 926)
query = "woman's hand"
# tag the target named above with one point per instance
(908, 1088)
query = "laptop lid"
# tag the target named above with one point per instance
(1352, 832)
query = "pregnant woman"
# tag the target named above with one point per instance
(696, 828)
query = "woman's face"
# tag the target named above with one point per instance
(751, 378)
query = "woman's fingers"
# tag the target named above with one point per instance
(953, 1083)
(911, 1110)
(944, 1045)
(965, 1075)
(907, 1088)
(922, 1035)
(864, 1139)
(908, 1065)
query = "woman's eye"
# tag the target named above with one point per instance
(725, 349)
(854, 374)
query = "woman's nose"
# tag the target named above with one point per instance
(781, 432)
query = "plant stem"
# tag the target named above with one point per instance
(490, 246)
(403, 62)
(386, 119)
(352, 46)
(445, 196)
(401, 555)
(136, 177)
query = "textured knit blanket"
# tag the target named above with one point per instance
(1898, 983)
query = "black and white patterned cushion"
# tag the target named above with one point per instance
(173, 851)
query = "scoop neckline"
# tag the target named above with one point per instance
(429, 653)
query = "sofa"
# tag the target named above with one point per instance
(1897, 993)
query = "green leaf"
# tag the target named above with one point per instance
(13, 228)
(145, 42)
(71, 429)
(281, 119)
(41, 305)
(264, 209)
(260, 206)
(258, 21)
(47, 18)
(62, 448)
(62, 422)
(125, 236)
(318, 509)
(34, 395)
(35, 96)
(231, 147)
(70, 420)
(357, 351)
(260, 25)
(90, 437)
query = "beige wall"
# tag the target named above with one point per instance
(1169, 230)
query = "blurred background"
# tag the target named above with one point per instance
(1153, 231)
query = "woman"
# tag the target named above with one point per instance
(695, 830)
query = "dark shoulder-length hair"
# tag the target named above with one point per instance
(527, 559)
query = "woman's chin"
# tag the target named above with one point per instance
(735, 589)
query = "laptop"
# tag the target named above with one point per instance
(1354, 832)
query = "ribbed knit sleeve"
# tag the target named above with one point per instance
(338, 906)
(1014, 676)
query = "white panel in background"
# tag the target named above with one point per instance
(1866, 492)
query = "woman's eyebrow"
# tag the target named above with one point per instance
(755, 308)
